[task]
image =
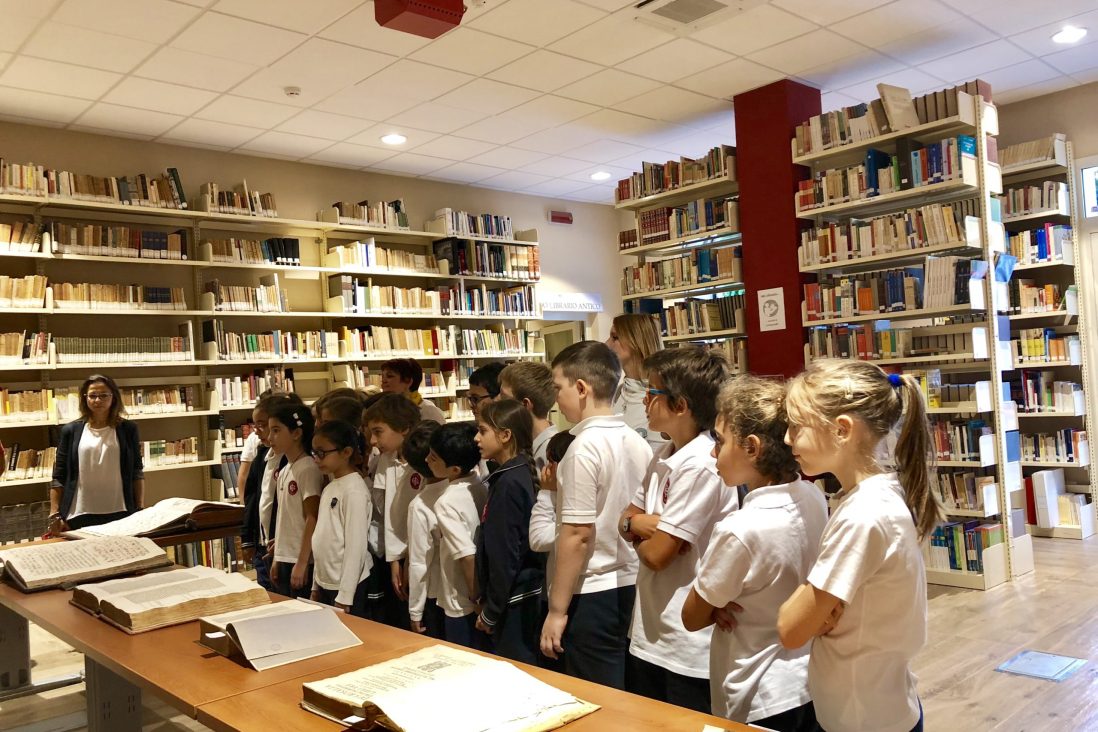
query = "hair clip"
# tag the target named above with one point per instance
(297, 419)
(896, 380)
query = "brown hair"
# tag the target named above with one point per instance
(395, 410)
(267, 404)
(531, 380)
(114, 416)
(343, 409)
(593, 362)
(509, 414)
(694, 374)
(640, 332)
(408, 369)
(337, 393)
(751, 405)
(832, 387)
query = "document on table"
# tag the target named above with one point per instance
(57, 563)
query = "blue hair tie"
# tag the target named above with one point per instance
(896, 380)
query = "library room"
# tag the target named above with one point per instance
(775, 313)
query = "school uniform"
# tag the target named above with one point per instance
(341, 557)
(458, 511)
(430, 411)
(757, 557)
(379, 581)
(392, 492)
(509, 574)
(250, 534)
(543, 517)
(424, 568)
(683, 488)
(596, 480)
(294, 483)
(859, 673)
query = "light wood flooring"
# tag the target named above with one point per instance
(971, 632)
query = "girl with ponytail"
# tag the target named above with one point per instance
(864, 606)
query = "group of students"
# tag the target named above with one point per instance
(684, 558)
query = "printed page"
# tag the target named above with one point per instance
(164, 513)
(168, 589)
(276, 640)
(289, 607)
(68, 561)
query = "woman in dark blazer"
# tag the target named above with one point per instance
(98, 475)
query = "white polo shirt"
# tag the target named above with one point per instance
(683, 488)
(297, 481)
(758, 556)
(341, 558)
(543, 516)
(596, 480)
(428, 410)
(859, 673)
(394, 485)
(267, 489)
(458, 510)
(424, 541)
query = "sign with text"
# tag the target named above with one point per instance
(571, 302)
(772, 309)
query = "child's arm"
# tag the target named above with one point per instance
(543, 521)
(722, 575)
(310, 506)
(457, 542)
(419, 538)
(356, 516)
(807, 613)
(469, 571)
(659, 551)
(692, 505)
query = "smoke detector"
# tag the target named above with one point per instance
(683, 17)
(292, 91)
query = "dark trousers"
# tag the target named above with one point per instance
(798, 719)
(434, 620)
(281, 579)
(919, 727)
(596, 639)
(656, 682)
(359, 605)
(463, 631)
(377, 587)
(94, 519)
(394, 610)
(262, 573)
(517, 633)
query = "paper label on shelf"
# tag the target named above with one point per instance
(772, 309)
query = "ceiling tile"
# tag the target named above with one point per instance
(346, 153)
(84, 47)
(148, 20)
(244, 111)
(38, 106)
(616, 173)
(730, 79)
(544, 70)
(607, 87)
(1018, 75)
(806, 52)
(612, 39)
(604, 151)
(158, 96)
(499, 129)
(1086, 77)
(1060, 83)
(1075, 59)
(17, 28)
(513, 180)
(976, 61)
(413, 80)
(507, 157)
(471, 51)
(558, 139)
(550, 110)
(556, 167)
(536, 21)
(127, 119)
(831, 11)
(681, 57)
(489, 96)
(1008, 17)
(194, 69)
(304, 17)
(318, 67)
(323, 124)
(211, 133)
(371, 137)
(913, 80)
(618, 125)
(887, 23)
(363, 102)
(555, 187)
(594, 194)
(412, 164)
(454, 148)
(284, 143)
(862, 66)
(754, 29)
(634, 161)
(1038, 41)
(57, 78)
(466, 172)
(953, 37)
(673, 105)
(608, 5)
(360, 29)
(437, 117)
(237, 39)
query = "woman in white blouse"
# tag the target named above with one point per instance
(633, 338)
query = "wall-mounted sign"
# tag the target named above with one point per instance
(772, 309)
(571, 302)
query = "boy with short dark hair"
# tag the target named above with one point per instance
(424, 570)
(484, 385)
(403, 376)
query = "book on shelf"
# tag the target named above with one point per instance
(1047, 243)
(1062, 446)
(28, 463)
(498, 339)
(1040, 392)
(698, 217)
(266, 297)
(1047, 486)
(1027, 296)
(20, 236)
(654, 178)
(22, 522)
(25, 348)
(627, 239)
(734, 350)
(274, 344)
(245, 390)
(867, 342)
(1045, 345)
(509, 302)
(31, 405)
(220, 554)
(449, 222)
(23, 292)
(964, 491)
(390, 694)
(159, 349)
(276, 634)
(58, 563)
(434, 384)
(350, 294)
(230, 468)
(455, 256)
(1048, 148)
(110, 240)
(158, 453)
(29, 179)
(136, 401)
(239, 200)
(234, 437)
(898, 107)
(281, 251)
(958, 439)
(383, 214)
(103, 296)
(140, 604)
(960, 545)
(698, 316)
(380, 341)
(1047, 195)
(168, 516)
(696, 267)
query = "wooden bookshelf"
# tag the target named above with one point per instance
(920, 314)
(931, 193)
(722, 235)
(859, 264)
(710, 286)
(710, 335)
(714, 186)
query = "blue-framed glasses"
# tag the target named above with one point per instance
(651, 393)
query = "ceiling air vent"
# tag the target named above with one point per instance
(686, 16)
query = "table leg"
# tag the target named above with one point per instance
(114, 704)
(15, 660)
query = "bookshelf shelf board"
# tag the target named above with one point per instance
(682, 194)
(723, 235)
(933, 193)
(231, 450)
(859, 263)
(126, 311)
(1048, 213)
(20, 425)
(1052, 464)
(250, 406)
(60, 257)
(7, 366)
(181, 466)
(969, 361)
(92, 365)
(898, 315)
(712, 285)
(1042, 265)
(1034, 169)
(268, 267)
(171, 415)
(1044, 364)
(1058, 532)
(486, 239)
(247, 221)
(47, 202)
(959, 464)
(956, 578)
(371, 359)
(26, 255)
(959, 408)
(927, 131)
(428, 316)
(711, 335)
(1058, 314)
(25, 311)
(1049, 415)
(25, 481)
(969, 512)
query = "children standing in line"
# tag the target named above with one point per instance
(864, 606)
(669, 523)
(757, 557)
(509, 574)
(424, 537)
(453, 456)
(593, 569)
(341, 558)
(290, 429)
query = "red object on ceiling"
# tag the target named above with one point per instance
(426, 18)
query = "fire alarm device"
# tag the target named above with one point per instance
(560, 217)
(426, 18)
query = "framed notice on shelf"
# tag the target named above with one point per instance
(1090, 192)
(772, 309)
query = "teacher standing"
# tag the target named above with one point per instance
(98, 475)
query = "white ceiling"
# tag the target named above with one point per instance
(527, 95)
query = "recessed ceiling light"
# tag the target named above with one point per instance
(394, 139)
(1070, 34)
(600, 175)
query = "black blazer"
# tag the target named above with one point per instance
(249, 535)
(66, 467)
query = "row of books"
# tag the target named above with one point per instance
(700, 316)
(1028, 297)
(696, 267)
(20, 522)
(908, 230)
(958, 439)
(126, 348)
(275, 250)
(63, 403)
(22, 292)
(275, 344)
(487, 259)
(29, 179)
(411, 342)
(383, 214)
(706, 214)
(25, 347)
(499, 340)
(960, 490)
(218, 554)
(654, 225)
(26, 406)
(1031, 151)
(511, 302)
(1044, 490)
(245, 390)
(19, 236)
(230, 469)
(1049, 243)
(627, 239)
(239, 200)
(362, 296)
(653, 178)
(366, 254)
(27, 463)
(170, 452)
(232, 438)
(1040, 392)
(1045, 345)
(1044, 196)
(107, 240)
(960, 546)
(449, 222)
(734, 350)
(1062, 446)
(99, 296)
(882, 173)
(266, 297)
(865, 342)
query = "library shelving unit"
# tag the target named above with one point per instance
(686, 242)
(1052, 390)
(494, 274)
(888, 267)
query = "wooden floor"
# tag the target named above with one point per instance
(971, 632)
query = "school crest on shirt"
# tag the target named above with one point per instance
(416, 481)
(666, 489)
(292, 488)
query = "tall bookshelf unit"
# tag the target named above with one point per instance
(889, 338)
(309, 308)
(1051, 162)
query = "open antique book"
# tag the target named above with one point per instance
(276, 634)
(169, 516)
(57, 563)
(420, 692)
(137, 604)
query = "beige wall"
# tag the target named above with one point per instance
(1072, 111)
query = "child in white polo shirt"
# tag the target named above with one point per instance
(757, 557)
(669, 523)
(424, 535)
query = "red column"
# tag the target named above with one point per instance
(765, 119)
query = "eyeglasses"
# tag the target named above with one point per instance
(99, 397)
(475, 400)
(321, 453)
(651, 393)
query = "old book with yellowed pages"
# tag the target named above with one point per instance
(138, 604)
(56, 563)
(169, 516)
(420, 692)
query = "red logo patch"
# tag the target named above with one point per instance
(417, 481)
(292, 489)
(666, 490)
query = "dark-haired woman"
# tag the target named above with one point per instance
(98, 475)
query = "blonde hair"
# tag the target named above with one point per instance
(752, 405)
(640, 332)
(832, 387)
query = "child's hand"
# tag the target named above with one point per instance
(643, 525)
(249, 554)
(315, 595)
(399, 586)
(551, 633)
(418, 627)
(549, 476)
(724, 618)
(343, 608)
(297, 575)
(269, 556)
(832, 619)
(482, 626)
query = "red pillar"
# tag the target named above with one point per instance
(765, 120)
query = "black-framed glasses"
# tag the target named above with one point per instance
(105, 397)
(475, 400)
(321, 453)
